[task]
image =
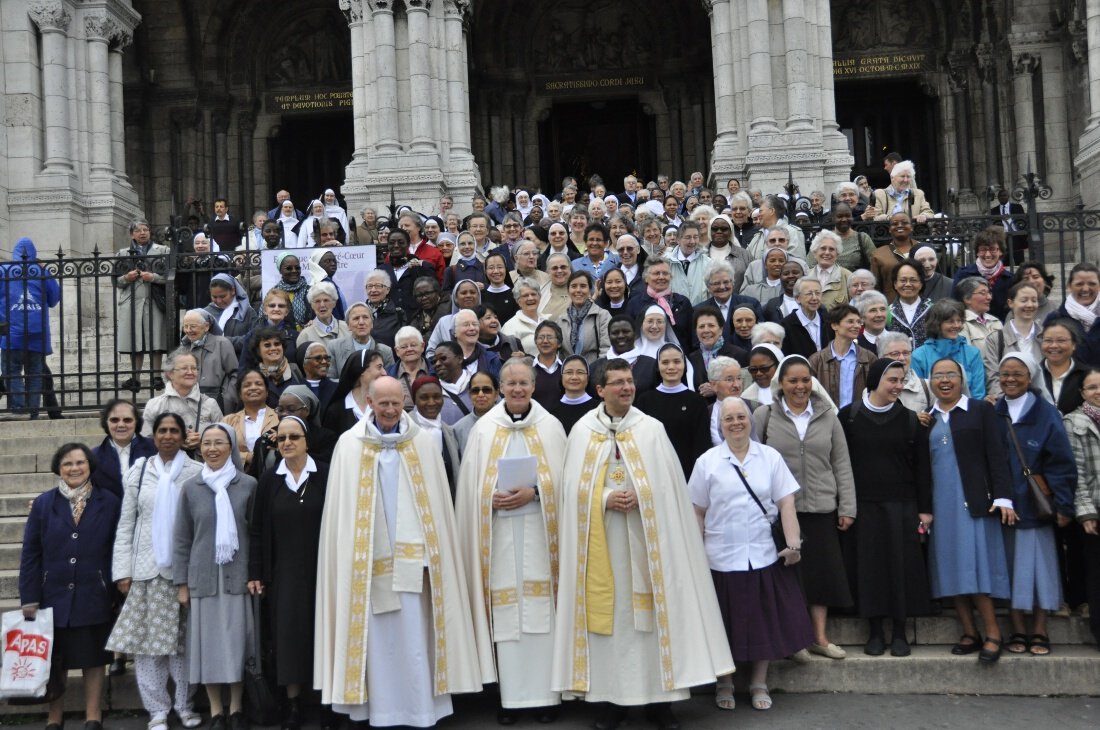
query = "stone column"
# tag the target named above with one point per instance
(385, 54)
(246, 127)
(959, 82)
(98, 30)
(798, 90)
(760, 66)
(723, 73)
(457, 103)
(419, 76)
(1024, 66)
(118, 119)
(988, 70)
(353, 11)
(220, 122)
(53, 22)
(1092, 30)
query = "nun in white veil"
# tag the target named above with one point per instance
(334, 211)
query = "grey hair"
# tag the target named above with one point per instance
(525, 282)
(741, 196)
(966, 287)
(514, 217)
(804, 280)
(524, 244)
(846, 186)
(322, 287)
(767, 328)
(702, 210)
(904, 166)
(863, 274)
(867, 299)
(888, 339)
(138, 222)
(718, 365)
(173, 357)
(557, 255)
(500, 194)
(826, 234)
(380, 274)
(314, 343)
(517, 362)
(720, 267)
(408, 332)
(654, 261)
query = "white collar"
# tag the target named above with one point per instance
(806, 321)
(964, 403)
(792, 415)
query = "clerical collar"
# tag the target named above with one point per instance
(517, 417)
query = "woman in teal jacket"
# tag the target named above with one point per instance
(942, 326)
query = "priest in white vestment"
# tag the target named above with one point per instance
(395, 636)
(507, 511)
(638, 621)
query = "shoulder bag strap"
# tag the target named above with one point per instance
(1024, 468)
(749, 489)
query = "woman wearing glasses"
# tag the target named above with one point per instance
(971, 497)
(286, 527)
(182, 397)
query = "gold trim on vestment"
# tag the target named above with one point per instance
(580, 679)
(547, 497)
(505, 597)
(435, 561)
(633, 458)
(355, 659)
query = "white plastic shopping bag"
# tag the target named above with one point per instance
(28, 649)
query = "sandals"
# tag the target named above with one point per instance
(967, 644)
(1040, 642)
(723, 697)
(990, 656)
(761, 700)
(190, 719)
(1017, 644)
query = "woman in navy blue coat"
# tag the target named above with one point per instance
(122, 423)
(66, 566)
(1031, 545)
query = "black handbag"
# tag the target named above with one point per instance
(1037, 487)
(778, 537)
(261, 701)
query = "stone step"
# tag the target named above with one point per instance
(16, 505)
(9, 556)
(11, 529)
(9, 584)
(27, 483)
(1068, 671)
(124, 696)
(42, 446)
(49, 427)
(944, 630)
(15, 463)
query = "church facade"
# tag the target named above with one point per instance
(117, 108)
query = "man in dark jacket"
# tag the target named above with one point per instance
(27, 291)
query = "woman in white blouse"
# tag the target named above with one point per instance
(739, 488)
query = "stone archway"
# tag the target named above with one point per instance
(631, 66)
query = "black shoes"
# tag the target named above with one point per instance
(118, 667)
(661, 714)
(237, 721)
(506, 716)
(93, 725)
(218, 722)
(875, 646)
(611, 717)
(990, 656)
(900, 647)
(293, 719)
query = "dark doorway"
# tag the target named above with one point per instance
(879, 117)
(613, 138)
(310, 154)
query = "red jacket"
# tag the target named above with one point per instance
(430, 255)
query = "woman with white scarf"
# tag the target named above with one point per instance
(152, 624)
(286, 530)
(307, 236)
(288, 219)
(210, 569)
(1082, 306)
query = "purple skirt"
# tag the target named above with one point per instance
(764, 612)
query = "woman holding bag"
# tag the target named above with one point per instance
(210, 570)
(151, 626)
(64, 566)
(1036, 439)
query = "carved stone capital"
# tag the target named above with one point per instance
(380, 6)
(456, 7)
(958, 75)
(121, 40)
(49, 15)
(983, 54)
(418, 4)
(99, 28)
(1024, 64)
(352, 10)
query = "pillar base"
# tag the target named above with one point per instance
(416, 180)
(56, 214)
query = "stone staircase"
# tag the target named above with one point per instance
(1073, 669)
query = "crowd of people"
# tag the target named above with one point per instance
(557, 438)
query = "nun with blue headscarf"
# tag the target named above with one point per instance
(211, 550)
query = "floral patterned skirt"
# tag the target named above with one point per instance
(152, 621)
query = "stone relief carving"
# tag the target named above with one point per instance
(309, 53)
(352, 10)
(49, 14)
(1024, 64)
(571, 40)
(100, 27)
(862, 26)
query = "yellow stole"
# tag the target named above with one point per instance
(599, 580)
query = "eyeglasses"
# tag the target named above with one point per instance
(116, 419)
(546, 338)
(284, 437)
(754, 369)
(482, 389)
(909, 281)
(320, 358)
(897, 354)
(281, 410)
(722, 229)
(938, 377)
(214, 444)
(186, 369)
(1056, 341)
(1012, 375)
